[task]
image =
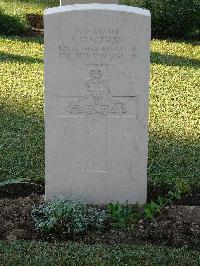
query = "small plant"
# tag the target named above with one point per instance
(153, 208)
(123, 216)
(126, 216)
(67, 218)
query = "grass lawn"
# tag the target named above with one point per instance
(174, 146)
(22, 7)
(42, 254)
(13, 14)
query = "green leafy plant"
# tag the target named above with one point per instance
(123, 216)
(155, 207)
(67, 218)
(151, 209)
(126, 216)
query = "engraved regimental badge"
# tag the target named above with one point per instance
(98, 97)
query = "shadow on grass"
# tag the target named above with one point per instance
(6, 57)
(171, 158)
(173, 60)
(11, 24)
(21, 145)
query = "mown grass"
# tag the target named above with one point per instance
(174, 146)
(21, 109)
(22, 7)
(13, 14)
(41, 253)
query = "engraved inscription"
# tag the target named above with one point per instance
(98, 98)
(96, 43)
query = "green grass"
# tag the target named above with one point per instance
(21, 109)
(174, 146)
(13, 14)
(22, 7)
(42, 254)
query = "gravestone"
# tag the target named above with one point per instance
(96, 102)
(71, 2)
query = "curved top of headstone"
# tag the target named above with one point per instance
(72, 2)
(109, 7)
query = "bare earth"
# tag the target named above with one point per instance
(175, 226)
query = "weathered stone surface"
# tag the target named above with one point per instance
(96, 99)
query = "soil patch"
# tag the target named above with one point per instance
(21, 189)
(176, 225)
(25, 189)
(35, 21)
(15, 217)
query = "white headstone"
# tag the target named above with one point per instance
(96, 98)
(71, 2)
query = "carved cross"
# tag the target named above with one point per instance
(96, 107)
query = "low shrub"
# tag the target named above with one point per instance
(171, 18)
(11, 25)
(67, 218)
